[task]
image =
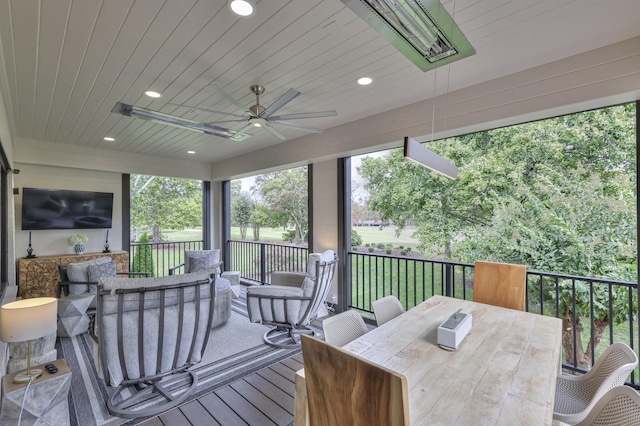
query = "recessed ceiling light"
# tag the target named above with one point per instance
(363, 81)
(191, 152)
(152, 94)
(257, 125)
(241, 7)
(107, 138)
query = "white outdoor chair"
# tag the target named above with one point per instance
(344, 327)
(618, 407)
(290, 308)
(386, 309)
(576, 395)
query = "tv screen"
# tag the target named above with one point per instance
(65, 209)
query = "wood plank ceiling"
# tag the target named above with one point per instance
(65, 63)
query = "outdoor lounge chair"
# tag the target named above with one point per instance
(151, 331)
(576, 395)
(289, 308)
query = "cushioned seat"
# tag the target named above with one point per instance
(222, 306)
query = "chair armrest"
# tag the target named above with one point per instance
(63, 286)
(286, 278)
(173, 270)
(143, 274)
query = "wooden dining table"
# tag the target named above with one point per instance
(503, 373)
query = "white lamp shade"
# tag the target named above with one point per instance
(28, 319)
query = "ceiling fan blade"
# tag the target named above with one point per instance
(295, 126)
(208, 110)
(232, 99)
(241, 134)
(304, 115)
(274, 132)
(280, 102)
(228, 121)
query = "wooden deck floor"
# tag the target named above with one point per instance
(262, 398)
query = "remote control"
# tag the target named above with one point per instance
(52, 369)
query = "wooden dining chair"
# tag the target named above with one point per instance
(500, 284)
(343, 389)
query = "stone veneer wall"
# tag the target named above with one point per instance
(38, 277)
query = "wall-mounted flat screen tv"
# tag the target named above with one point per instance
(65, 209)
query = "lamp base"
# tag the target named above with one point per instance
(25, 376)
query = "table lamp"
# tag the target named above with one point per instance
(26, 320)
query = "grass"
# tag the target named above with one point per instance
(386, 235)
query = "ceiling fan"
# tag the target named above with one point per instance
(262, 117)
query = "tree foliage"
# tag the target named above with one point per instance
(165, 203)
(241, 209)
(284, 194)
(143, 257)
(557, 195)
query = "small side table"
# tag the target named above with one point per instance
(46, 402)
(234, 278)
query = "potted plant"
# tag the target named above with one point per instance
(77, 241)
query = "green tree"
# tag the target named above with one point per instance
(143, 257)
(241, 209)
(557, 195)
(284, 194)
(165, 203)
(259, 218)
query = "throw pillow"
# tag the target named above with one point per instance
(200, 260)
(95, 272)
(77, 272)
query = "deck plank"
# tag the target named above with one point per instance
(279, 396)
(244, 408)
(197, 414)
(275, 412)
(278, 380)
(220, 411)
(284, 371)
(173, 417)
(292, 364)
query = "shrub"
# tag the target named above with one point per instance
(388, 251)
(400, 247)
(403, 252)
(370, 249)
(356, 240)
(289, 234)
(380, 246)
(142, 257)
(367, 245)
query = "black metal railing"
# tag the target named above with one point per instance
(608, 307)
(256, 260)
(162, 256)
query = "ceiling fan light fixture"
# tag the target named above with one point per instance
(242, 8)
(152, 94)
(422, 30)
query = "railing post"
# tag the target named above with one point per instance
(448, 279)
(263, 264)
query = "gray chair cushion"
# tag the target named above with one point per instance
(78, 272)
(200, 260)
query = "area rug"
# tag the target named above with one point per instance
(234, 350)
